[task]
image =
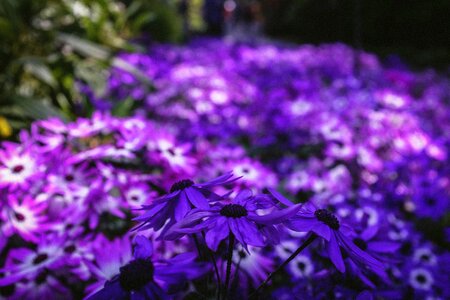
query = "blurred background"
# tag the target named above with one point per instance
(49, 47)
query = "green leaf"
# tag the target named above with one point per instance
(85, 47)
(123, 108)
(124, 65)
(36, 108)
(40, 70)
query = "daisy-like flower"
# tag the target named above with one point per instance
(25, 216)
(255, 264)
(138, 194)
(336, 235)
(421, 279)
(17, 165)
(301, 266)
(144, 278)
(237, 217)
(39, 265)
(163, 149)
(183, 196)
(108, 257)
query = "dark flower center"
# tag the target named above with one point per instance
(425, 257)
(181, 185)
(430, 201)
(360, 243)
(421, 278)
(70, 249)
(233, 211)
(328, 218)
(136, 274)
(301, 266)
(18, 169)
(69, 177)
(40, 258)
(19, 217)
(41, 278)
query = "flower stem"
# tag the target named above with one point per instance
(216, 269)
(197, 245)
(309, 240)
(229, 260)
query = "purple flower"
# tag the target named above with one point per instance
(237, 217)
(144, 278)
(183, 196)
(18, 165)
(325, 224)
(38, 269)
(25, 216)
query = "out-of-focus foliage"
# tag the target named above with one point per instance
(416, 30)
(48, 47)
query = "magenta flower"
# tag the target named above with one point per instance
(17, 165)
(25, 216)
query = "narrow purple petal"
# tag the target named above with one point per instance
(196, 198)
(234, 227)
(301, 224)
(335, 253)
(242, 196)
(225, 178)
(277, 216)
(383, 247)
(322, 230)
(217, 233)
(182, 207)
(143, 247)
(280, 197)
(250, 233)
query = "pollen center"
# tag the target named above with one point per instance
(360, 243)
(18, 169)
(233, 211)
(328, 218)
(40, 258)
(136, 274)
(181, 185)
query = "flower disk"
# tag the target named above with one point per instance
(328, 218)
(233, 211)
(181, 185)
(136, 274)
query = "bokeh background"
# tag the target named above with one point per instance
(105, 104)
(48, 45)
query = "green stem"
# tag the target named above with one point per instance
(216, 269)
(229, 260)
(309, 240)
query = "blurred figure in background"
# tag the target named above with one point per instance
(213, 14)
(244, 19)
(183, 8)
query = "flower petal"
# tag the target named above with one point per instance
(383, 247)
(250, 232)
(242, 196)
(217, 233)
(182, 207)
(277, 216)
(280, 197)
(335, 253)
(322, 230)
(196, 198)
(143, 247)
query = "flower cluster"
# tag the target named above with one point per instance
(245, 170)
